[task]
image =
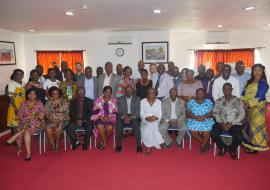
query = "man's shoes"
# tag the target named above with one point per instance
(234, 155)
(203, 150)
(84, 147)
(139, 149)
(75, 146)
(118, 149)
(222, 152)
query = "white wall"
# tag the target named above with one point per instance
(95, 43)
(6, 70)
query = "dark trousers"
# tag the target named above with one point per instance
(235, 131)
(135, 130)
(72, 135)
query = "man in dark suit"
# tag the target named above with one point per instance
(128, 115)
(80, 112)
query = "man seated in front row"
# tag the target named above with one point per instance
(173, 116)
(128, 115)
(229, 113)
(80, 112)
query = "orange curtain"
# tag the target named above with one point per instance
(211, 57)
(47, 58)
(72, 58)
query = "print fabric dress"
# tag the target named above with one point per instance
(200, 110)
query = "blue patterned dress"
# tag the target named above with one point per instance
(199, 110)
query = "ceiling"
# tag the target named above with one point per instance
(115, 15)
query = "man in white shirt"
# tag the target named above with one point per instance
(162, 82)
(173, 117)
(90, 84)
(137, 73)
(241, 75)
(225, 78)
(108, 79)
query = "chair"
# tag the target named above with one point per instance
(65, 139)
(227, 135)
(82, 130)
(190, 136)
(38, 133)
(177, 129)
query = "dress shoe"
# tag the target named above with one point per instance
(118, 149)
(139, 149)
(75, 146)
(222, 152)
(233, 155)
(84, 147)
(203, 150)
(8, 143)
(27, 158)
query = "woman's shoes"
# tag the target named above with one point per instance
(101, 146)
(8, 143)
(148, 152)
(27, 158)
(249, 151)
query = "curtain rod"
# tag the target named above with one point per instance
(227, 49)
(59, 50)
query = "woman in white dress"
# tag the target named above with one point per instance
(151, 115)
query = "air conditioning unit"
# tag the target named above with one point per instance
(217, 38)
(119, 40)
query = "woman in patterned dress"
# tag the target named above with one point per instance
(69, 86)
(104, 115)
(200, 120)
(57, 116)
(254, 97)
(16, 93)
(31, 120)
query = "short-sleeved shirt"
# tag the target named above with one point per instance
(200, 109)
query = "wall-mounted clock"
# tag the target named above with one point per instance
(119, 52)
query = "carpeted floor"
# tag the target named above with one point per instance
(172, 169)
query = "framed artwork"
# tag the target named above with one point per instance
(7, 53)
(155, 52)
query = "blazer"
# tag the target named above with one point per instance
(87, 109)
(95, 86)
(134, 107)
(113, 83)
(180, 109)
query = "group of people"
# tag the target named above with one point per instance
(206, 105)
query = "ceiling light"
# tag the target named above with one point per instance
(268, 24)
(157, 11)
(249, 8)
(69, 13)
(31, 30)
(220, 26)
(84, 7)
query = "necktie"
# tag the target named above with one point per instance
(157, 84)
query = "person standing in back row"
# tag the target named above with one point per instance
(162, 82)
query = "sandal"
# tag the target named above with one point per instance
(101, 146)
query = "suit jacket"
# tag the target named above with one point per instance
(134, 107)
(95, 86)
(180, 110)
(113, 83)
(87, 109)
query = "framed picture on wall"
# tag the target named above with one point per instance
(155, 52)
(7, 53)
